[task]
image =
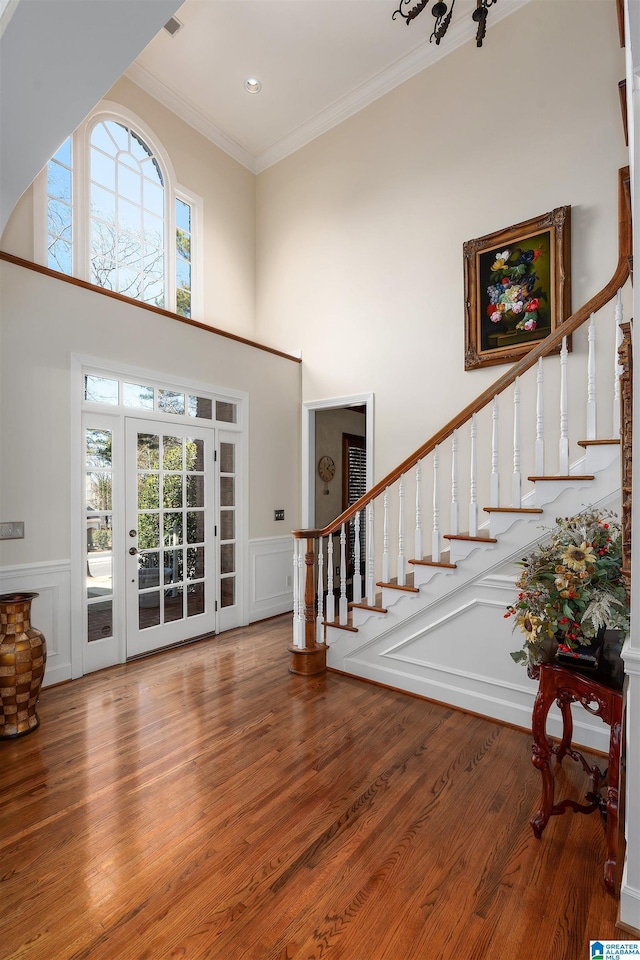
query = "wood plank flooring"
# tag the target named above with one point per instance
(205, 803)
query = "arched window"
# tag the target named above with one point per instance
(127, 214)
(128, 227)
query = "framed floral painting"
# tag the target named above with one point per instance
(517, 288)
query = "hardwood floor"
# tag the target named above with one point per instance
(205, 803)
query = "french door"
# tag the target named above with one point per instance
(170, 540)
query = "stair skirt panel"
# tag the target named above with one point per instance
(451, 642)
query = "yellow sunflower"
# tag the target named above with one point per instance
(577, 558)
(530, 626)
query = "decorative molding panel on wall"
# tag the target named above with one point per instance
(270, 577)
(50, 611)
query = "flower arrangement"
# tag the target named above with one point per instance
(513, 298)
(571, 587)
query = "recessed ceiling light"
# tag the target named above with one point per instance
(252, 85)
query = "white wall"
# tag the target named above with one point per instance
(360, 234)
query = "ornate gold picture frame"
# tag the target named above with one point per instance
(517, 288)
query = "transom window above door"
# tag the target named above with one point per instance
(124, 224)
(113, 392)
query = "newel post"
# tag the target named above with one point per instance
(308, 658)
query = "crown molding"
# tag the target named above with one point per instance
(461, 31)
(423, 56)
(184, 108)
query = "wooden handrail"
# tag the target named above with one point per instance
(542, 349)
(131, 301)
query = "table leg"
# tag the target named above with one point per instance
(567, 729)
(541, 753)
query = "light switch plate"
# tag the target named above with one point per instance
(13, 530)
(278, 514)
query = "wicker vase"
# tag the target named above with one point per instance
(23, 655)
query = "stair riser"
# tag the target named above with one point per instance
(548, 491)
(389, 596)
(500, 523)
(423, 574)
(600, 457)
(461, 549)
(360, 616)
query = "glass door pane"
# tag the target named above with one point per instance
(99, 522)
(170, 538)
(228, 540)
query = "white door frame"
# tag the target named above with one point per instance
(309, 446)
(80, 364)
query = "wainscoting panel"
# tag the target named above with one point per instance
(50, 611)
(271, 577)
(454, 648)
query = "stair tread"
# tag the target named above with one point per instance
(598, 443)
(340, 626)
(442, 562)
(377, 607)
(466, 536)
(573, 476)
(512, 509)
(393, 584)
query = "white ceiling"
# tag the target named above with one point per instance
(319, 61)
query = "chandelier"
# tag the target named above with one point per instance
(443, 13)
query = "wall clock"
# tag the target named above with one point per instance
(326, 469)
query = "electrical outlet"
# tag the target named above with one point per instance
(278, 514)
(289, 581)
(12, 531)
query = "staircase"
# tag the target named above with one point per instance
(443, 635)
(423, 610)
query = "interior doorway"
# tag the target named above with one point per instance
(325, 423)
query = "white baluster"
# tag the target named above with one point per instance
(539, 422)
(371, 580)
(357, 576)
(320, 613)
(495, 476)
(455, 513)
(591, 381)
(516, 483)
(564, 412)
(386, 574)
(473, 483)
(402, 575)
(343, 608)
(418, 547)
(435, 536)
(617, 369)
(331, 600)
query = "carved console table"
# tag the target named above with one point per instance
(565, 686)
